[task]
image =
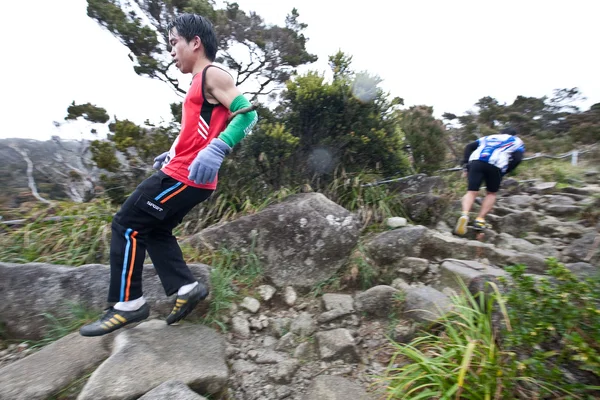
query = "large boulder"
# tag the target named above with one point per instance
(31, 292)
(301, 241)
(153, 353)
(46, 372)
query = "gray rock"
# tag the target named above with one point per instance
(396, 222)
(285, 371)
(301, 241)
(287, 342)
(137, 363)
(412, 268)
(557, 200)
(507, 241)
(543, 188)
(334, 301)
(266, 292)
(424, 304)
(303, 325)
(574, 190)
(379, 300)
(533, 244)
(443, 227)
(327, 387)
(510, 185)
(420, 183)
(331, 315)
(258, 324)
(250, 304)
(583, 270)
(28, 291)
(269, 341)
(403, 332)
(283, 392)
(521, 201)
(400, 284)
(304, 351)
(172, 390)
(454, 271)
(280, 326)
(269, 357)
(550, 226)
(503, 211)
(517, 224)
(290, 296)
(54, 367)
(240, 326)
(426, 209)
(387, 248)
(243, 367)
(337, 344)
(563, 211)
(586, 249)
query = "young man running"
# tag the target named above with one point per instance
(488, 159)
(187, 176)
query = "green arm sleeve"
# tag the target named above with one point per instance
(241, 124)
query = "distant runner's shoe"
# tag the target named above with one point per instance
(461, 225)
(113, 320)
(480, 224)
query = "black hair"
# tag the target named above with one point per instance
(509, 131)
(190, 25)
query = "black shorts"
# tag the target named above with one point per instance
(480, 171)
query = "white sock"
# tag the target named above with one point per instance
(130, 305)
(185, 289)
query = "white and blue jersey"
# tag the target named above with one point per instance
(497, 150)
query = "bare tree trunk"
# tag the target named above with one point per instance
(32, 185)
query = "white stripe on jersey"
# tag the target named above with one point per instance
(202, 127)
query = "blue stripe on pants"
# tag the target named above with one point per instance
(175, 186)
(125, 262)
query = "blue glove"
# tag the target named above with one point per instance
(205, 166)
(158, 161)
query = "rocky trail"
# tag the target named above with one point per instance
(284, 340)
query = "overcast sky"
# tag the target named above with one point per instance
(442, 53)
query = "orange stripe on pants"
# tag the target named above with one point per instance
(173, 195)
(131, 264)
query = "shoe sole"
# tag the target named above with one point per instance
(461, 225)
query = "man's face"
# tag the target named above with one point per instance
(183, 53)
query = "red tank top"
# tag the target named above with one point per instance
(201, 121)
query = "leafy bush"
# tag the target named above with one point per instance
(547, 348)
(557, 326)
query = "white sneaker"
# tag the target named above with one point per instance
(461, 225)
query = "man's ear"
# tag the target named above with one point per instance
(197, 43)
